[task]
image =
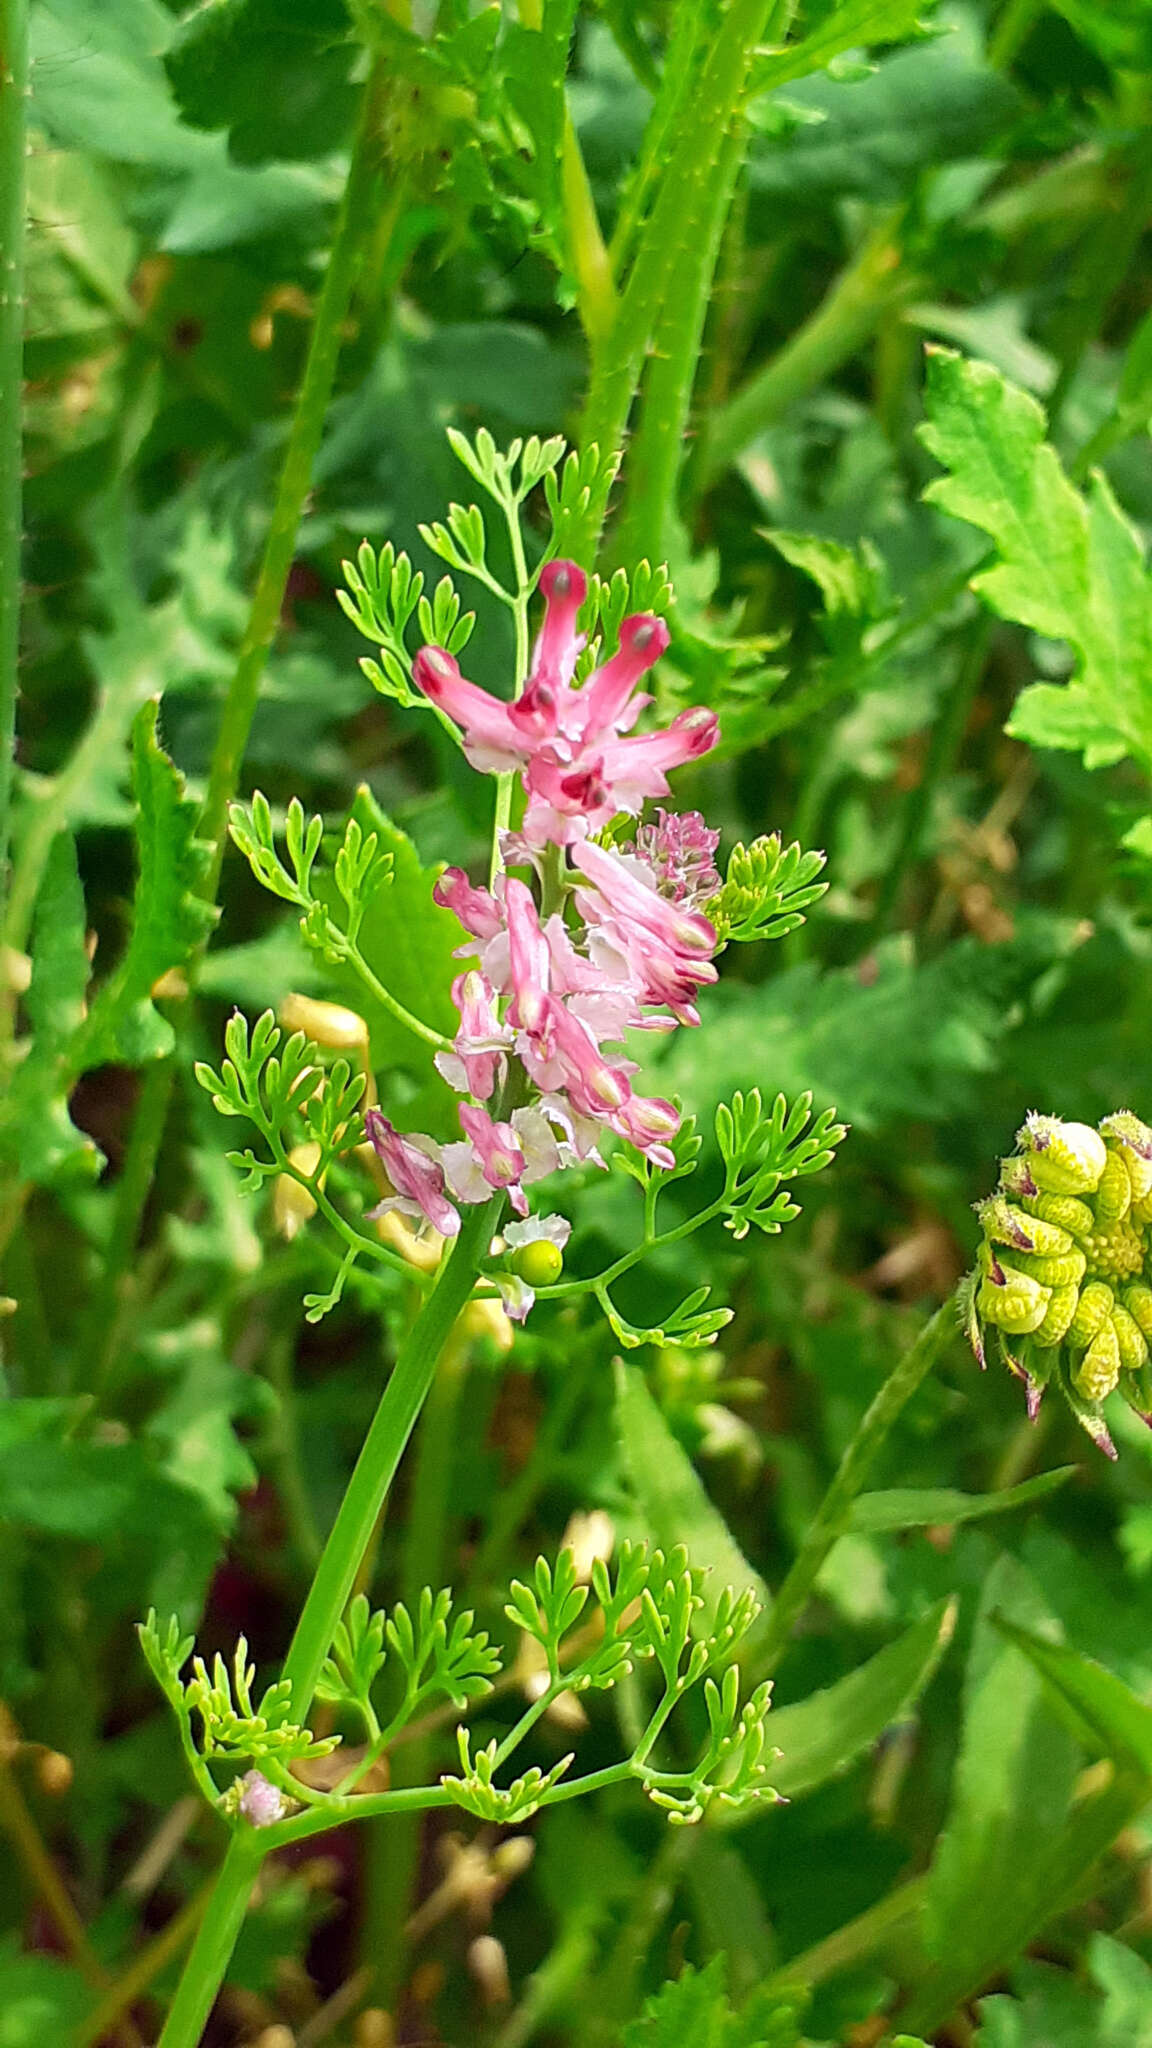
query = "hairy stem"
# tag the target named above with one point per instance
(13, 104)
(831, 1517)
(357, 212)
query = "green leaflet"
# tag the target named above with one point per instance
(851, 27)
(277, 78)
(169, 919)
(1054, 2005)
(695, 2009)
(38, 1134)
(1070, 567)
(824, 1734)
(673, 1501)
(908, 1507)
(1105, 1712)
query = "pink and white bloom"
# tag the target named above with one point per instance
(663, 950)
(479, 1059)
(417, 1176)
(680, 849)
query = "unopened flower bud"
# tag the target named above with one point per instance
(1114, 1193)
(1134, 1141)
(54, 1772)
(1063, 1158)
(292, 1205)
(1130, 1338)
(1065, 1270)
(1016, 1303)
(1058, 1317)
(1098, 1371)
(511, 1858)
(1067, 1211)
(374, 2029)
(1016, 1178)
(325, 1023)
(1138, 1302)
(260, 1802)
(1093, 1311)
(489, 1965)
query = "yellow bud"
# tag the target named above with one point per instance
(292, 1205)
(422, 1249)
(1073, 1216)
(1019, 1304)
(1061, 1309)
(1138, 1302)
(1130, 1338)
(1064, 1271)
(1099, 1369)
(1134, 1140)
(1063, 1158)
(1093, 1310)
(325, 1023)
(1114, 1194)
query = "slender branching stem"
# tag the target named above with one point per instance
(13, 107)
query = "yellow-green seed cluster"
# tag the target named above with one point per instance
(1064, 1270)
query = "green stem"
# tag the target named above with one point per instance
(700, 116)
(13, 106)
(400, 1404)
(872, 283)
(658, 450)
(353, 227)
(831, 1516)
(858, 1939)
(215, 1940)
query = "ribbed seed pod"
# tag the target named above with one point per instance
(1138, 1302)
(1098, 1371)
(1129, 1336)
(1072, 1215)
(1063, 1158)
(1134, 1140)
(1018, 1304)
(1114, 1194)
(1092, 1312)
(1061, 1309)
(1066, 1270)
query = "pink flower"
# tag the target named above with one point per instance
(261, 1802)
(491, 741)
(570, 798)
(479, 1059)
(663, 950)
(414, 1169)
(680, 850)
(496, 1155)
(477, 909)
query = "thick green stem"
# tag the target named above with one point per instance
(384, 1445)
(700, 117)
(831, 1518)
(215, 1940)
(13, 104)
(658, 450)
(871, 284)
(353, 230)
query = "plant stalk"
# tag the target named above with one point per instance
(831, 1517)
(13, 105)
(215, 1940)
(353, 228)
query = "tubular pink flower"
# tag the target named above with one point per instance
(491, 740)
(479, 1059)
(564, 586)
(664, 950)
(477, 909)
(414, 1169)
(646, 1121)
(529, 964)
(606, 703)
(497, 1147)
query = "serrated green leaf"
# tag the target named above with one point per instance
(824, 1734)
(39, 1136)
(169, 918)
(1069, 567)
(694, 2009)
(277, 78)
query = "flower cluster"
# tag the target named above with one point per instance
(602, 939)
(1063, 1271)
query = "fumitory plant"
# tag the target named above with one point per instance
(595, 923)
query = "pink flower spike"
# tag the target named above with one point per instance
(479, 1055)
(477, 909)
(680, 849)
(414, 1169)
(564, 587)
(606, 700)
(491, 740)
(498, 1151)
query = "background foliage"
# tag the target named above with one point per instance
(918, 599)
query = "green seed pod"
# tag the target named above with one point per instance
(1061, 1309)
(539, 1262)
(1092, 1312)
(1133, 1140)
(1114, 1193)
(1138, 1302)
(1063, 1159)
(1073, 1216)
(1099, 1369)
(1064, 1271)
(1130, 1338)
(1018, 1304)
